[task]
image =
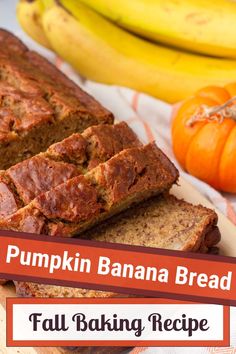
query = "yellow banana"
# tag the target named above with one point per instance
(203, 26)
(29, 14)
(47, 3)
(106, 53)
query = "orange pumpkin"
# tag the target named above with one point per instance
(204, 136)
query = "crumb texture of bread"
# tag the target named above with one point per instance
(129, 177)
(160, 222)
(39, 105)
(40, 290)
(71, 157)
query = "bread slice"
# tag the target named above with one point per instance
(73, 156)
(129, 177)
(161, 222)
(39, 105)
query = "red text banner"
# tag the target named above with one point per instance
(118, 268)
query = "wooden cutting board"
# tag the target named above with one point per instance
(184, 191)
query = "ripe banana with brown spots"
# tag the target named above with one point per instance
(29, 14)
(104, 52)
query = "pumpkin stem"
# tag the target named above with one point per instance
(215, 113)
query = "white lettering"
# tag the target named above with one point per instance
(55, 263)
(213, 281)
(103, 265)
(12, 252)
(225, 282)
(181, 275)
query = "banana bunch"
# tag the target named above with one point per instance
(201, 26)
(29, 14)
(102, 51)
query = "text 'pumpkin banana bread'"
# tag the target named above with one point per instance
(39, 105)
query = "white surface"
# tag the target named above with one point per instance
(7, 15)
(23, 327)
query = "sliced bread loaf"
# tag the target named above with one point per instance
(161, 222)
(39, 105)
(73, 156)
(129, 177)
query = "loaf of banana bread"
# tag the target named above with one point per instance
(161, 222)
(39, 105)
(129, 177)
(73, 156)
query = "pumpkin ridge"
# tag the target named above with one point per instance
(216, 155)
(226, 184)
(221, 156)
(192, 140)
(201, 125)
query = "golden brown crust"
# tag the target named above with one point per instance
(131, 176)
(132, 171)
(38, 102)
(9, 199)
(31, 70)
(107, 142)
(212, 237)
(28, 220)
(38, 174)
(11, 43)
(72, 149)
(73, 201)
(21, 183)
